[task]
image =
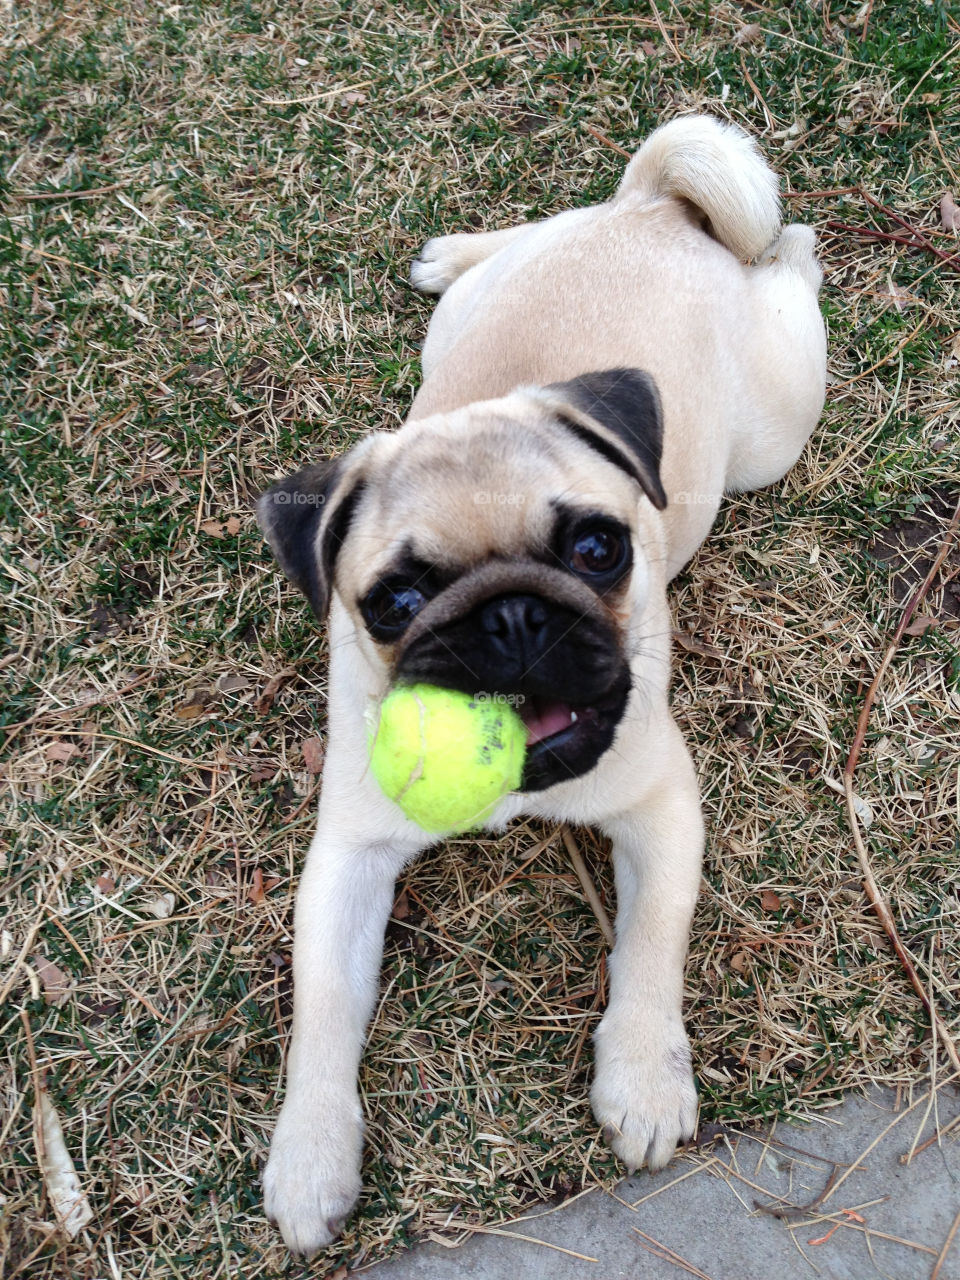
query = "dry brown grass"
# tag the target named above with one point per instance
(228, 298)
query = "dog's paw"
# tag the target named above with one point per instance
(644, 1097)
(312, 1176)
(438, 265)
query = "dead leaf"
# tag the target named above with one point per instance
(901, 298)
(259, 888)
(255, 893)
(401, 908)
(190, 711)
(195, 706)
(161, 907)
(949, 213)
(764, 1055)
(313, 753)
(233, 526)
(212, 527)
(920, 624)
(60, 752)
(690, 644)
(272, 688)
(493, 986)
(769, 900)
(351, 97)
(262, 772)
(134, 314)
(748, 34)
(67, 1197)
(739, 961)
(766, 558)
(860, 807)
(233, 684)
(105, 884)
(55, 983)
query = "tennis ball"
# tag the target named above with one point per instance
(445, 758)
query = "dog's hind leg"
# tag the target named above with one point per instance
(445, 258)
(787, 363)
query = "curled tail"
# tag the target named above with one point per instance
(720, 170)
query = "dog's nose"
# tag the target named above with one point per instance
(514, 623)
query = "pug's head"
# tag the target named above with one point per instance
(494, 550)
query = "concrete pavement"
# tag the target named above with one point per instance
(880, 1216)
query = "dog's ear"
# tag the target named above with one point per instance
(305, 518)
(617, 412)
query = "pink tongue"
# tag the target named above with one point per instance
(543, 719)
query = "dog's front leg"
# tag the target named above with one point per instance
(312, 1177)
(644, 1095)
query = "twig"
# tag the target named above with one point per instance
(797, 1212)
(535, 852)
(663, 31)
(820, 195)
(666, 1254)
(52, 257)
(946, 163)
(946, 1248)
(34, 1069)
(141, 1063)
(866, 22)
(908, 226)
(31, 936)
(759, 96)
(608, 142)
(848, 382)
(99, 700)
(876, 235)
(877, 899)
(203, 484)
(516, 1235)
(589, 889)
(80, 193)
(935, 1137)
(280, 307)
(698, 1168)
(142, 746)
(316, 97)
(870, 1231)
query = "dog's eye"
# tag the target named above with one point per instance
(597, 551)
(390, 607)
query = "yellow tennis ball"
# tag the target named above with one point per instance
(447, 759)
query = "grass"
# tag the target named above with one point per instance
(206, 219)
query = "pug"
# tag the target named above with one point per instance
(592, 385)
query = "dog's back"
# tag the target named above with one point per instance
(653, 279)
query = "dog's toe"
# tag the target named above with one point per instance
(646, 1103)
(431, 271)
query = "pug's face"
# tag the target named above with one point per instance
(493, 550)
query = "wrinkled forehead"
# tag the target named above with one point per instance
(463, 491)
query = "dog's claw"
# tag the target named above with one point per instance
(645, 1102)
(312, 1178)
